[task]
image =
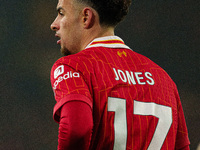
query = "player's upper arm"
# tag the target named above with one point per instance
(75, 128)
(68, 84)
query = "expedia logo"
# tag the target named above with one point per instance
(65, 77)
(58, 71)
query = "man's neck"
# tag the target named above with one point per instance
(90, 36)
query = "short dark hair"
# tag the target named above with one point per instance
(111, 12)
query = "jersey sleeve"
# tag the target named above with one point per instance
(75, 126)
(68, 85)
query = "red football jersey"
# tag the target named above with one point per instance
(135, 103)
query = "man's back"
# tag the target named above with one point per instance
(135, 103)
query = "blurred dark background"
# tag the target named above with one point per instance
(166, 31)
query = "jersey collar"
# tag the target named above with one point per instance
(108, 41)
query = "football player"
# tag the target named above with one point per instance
(108, 96)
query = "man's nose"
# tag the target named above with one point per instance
(54, 26)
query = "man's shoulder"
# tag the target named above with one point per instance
(76, 62)
(64, 60)
(68, 60)
(61, 63)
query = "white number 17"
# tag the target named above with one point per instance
(163, 113)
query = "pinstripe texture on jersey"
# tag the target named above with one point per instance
(98, 81)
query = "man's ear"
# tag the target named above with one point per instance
(88, 17)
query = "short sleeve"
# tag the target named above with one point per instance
(68, 85)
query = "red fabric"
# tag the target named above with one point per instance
(67, 98)
(75, 127)
(99, 73)
(185, 148)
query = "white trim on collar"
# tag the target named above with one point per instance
(104, 42)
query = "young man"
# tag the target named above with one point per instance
(109, 97)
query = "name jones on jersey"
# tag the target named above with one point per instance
(134, 77)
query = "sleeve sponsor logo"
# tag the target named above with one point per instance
(65, 77)
(59, 70)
